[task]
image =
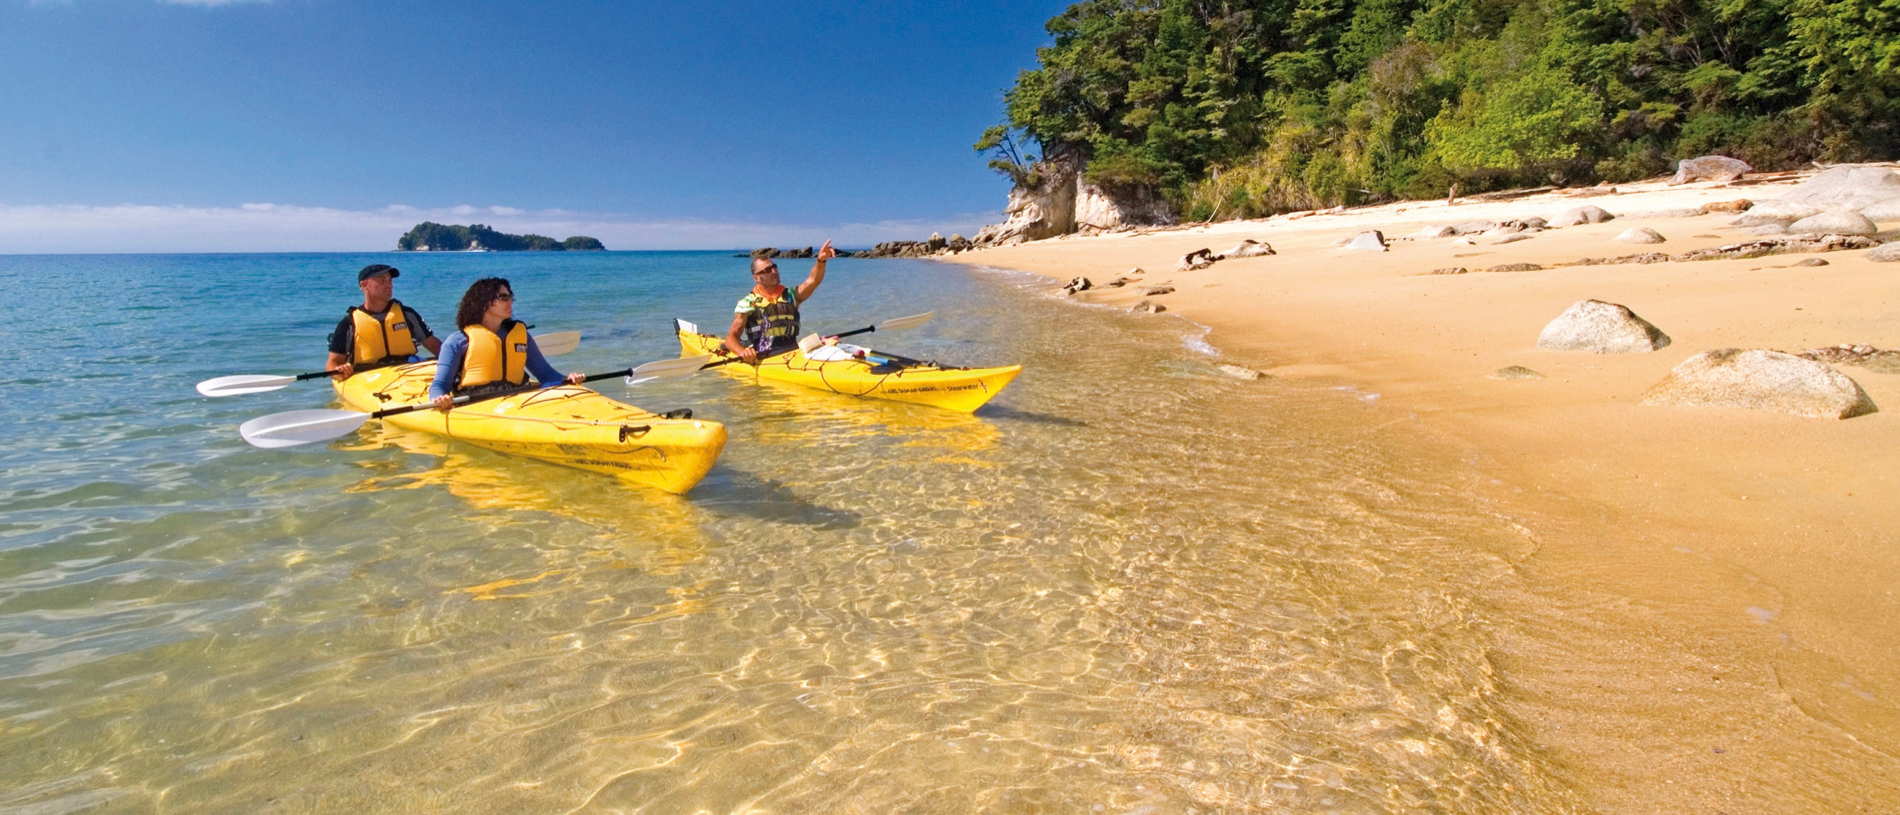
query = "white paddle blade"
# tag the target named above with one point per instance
(294, 427)
(244, 384)
(684, 327)
(912, 321)
(558, 343)
(810, 343)
(667, 370)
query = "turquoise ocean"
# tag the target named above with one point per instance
(1128, 584)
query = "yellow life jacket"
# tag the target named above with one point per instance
(378, 340)
(491, 358)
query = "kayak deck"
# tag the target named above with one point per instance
(568, 425)
(874, 374)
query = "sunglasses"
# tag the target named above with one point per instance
(509, 297)
(766, 271)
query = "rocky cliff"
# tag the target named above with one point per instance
(1057, 199)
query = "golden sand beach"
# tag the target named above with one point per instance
(1725, 578)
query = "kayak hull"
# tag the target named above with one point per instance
(567, 425)
(959, 389)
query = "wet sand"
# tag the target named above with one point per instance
(1724, 579)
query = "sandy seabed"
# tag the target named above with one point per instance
(1722, 580)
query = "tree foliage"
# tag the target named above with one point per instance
(1246, 107)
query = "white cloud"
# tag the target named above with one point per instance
(266, 227)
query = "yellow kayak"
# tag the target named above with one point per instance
(569, 425)
(855, 371)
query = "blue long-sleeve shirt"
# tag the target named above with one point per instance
(448, 365)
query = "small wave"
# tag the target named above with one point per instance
(1197, 341)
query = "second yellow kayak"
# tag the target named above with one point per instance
(870, 373)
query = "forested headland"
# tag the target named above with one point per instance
(1247, 108)
(434, 237)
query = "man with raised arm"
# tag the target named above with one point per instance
(766, 319)
(381, 331)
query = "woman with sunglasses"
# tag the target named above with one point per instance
(493, 351)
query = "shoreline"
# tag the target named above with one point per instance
(1733, 570)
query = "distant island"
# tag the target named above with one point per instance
(434, 237)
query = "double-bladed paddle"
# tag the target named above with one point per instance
(295, 427)
(811, 342)
(551, 345)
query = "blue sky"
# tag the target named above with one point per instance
(261, 125)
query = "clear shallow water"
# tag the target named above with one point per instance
(1127, 585)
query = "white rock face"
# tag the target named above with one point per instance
(1641, 234)
(1513, 238)
(1601, 328)
(1432, 233)
(1371, 241)
(1838, 222)
(1581, 215)
(1098, 211)
(1247, 249)
(1762, 380)
(1770, 228)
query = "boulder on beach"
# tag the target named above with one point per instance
(1369, 241)
(1148, 307)
(1710, 168)
(1247, 249)
(1581, 215)
(1770, 228)
(1601, 328)
(1765, 215)
(1842, 187)
(1883, 212)
(1761, 380)
(1431, 233)
(1884, 253)
(1514, 372)
(1151, 291)
(1639, 234)
(1076, 285)
(1835, 222)
(1737, 205)
(1779, 245)
(1811, 262)
(1513, 238)
(1198, 259)
(935, 242)
(1679, 212)
(1238, 371)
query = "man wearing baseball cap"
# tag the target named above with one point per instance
(380, 332)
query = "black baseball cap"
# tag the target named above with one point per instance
(375, 269)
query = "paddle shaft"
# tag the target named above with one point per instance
(395, 411)
(865, 330)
